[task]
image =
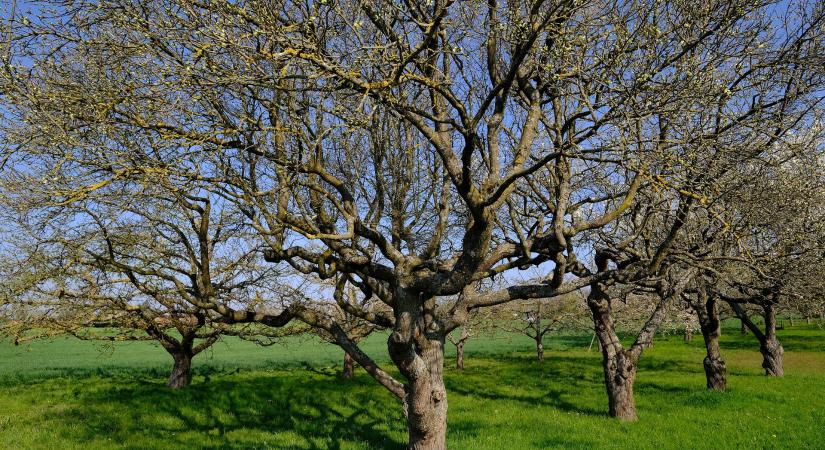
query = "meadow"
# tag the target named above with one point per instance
(71, 394)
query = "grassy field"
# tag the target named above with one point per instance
(68, 394)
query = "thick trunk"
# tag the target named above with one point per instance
(715, 373)
(620, 373)
(539, 350)
(715, 369)
(459, 356)
(772, 357)
(416, 346)
(427, 404)
(619, 365)
(181, 371)
(348, 371)
(769, 345)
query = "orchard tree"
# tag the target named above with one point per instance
(766, 264)
(538, 318)
(707, 307)
(416, 150)
(136, 255)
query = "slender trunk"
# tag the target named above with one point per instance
(459, 356)
(182, 370)
(348, 371)
(619, 365)
(539, 334)
(742, 328)
(807, 320)
(459, 347)
(688, 335)
(770, 347)
(715, 369)
(790, 319)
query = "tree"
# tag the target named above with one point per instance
(139, 255)
(707, 310)
(537, 319)
(459, 346)
(369, 144)
(714, 135)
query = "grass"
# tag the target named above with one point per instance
(69, 394)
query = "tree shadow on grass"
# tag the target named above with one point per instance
(261, 411)
(791, 340)
(522, 379)
(557, 382)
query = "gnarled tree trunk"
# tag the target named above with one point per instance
(181, 374)
(459, 355)
(769, 345)
(772, 357)
(619, 365)
(182, 352)
(419, 355)
(715, 369)
(427, 404)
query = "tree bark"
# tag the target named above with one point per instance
(348, 370)
(416, 346)
(770, 347)
(772, 357)
(459, 347)
(619, 365)
(688, 335)
(181, 374)
(539, 349)
(769, 344)
(715, 369)
(427, 404)
(459, 355)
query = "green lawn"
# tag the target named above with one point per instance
(68, 394)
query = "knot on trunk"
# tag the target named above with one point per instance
(397, 338)
(438, 395)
